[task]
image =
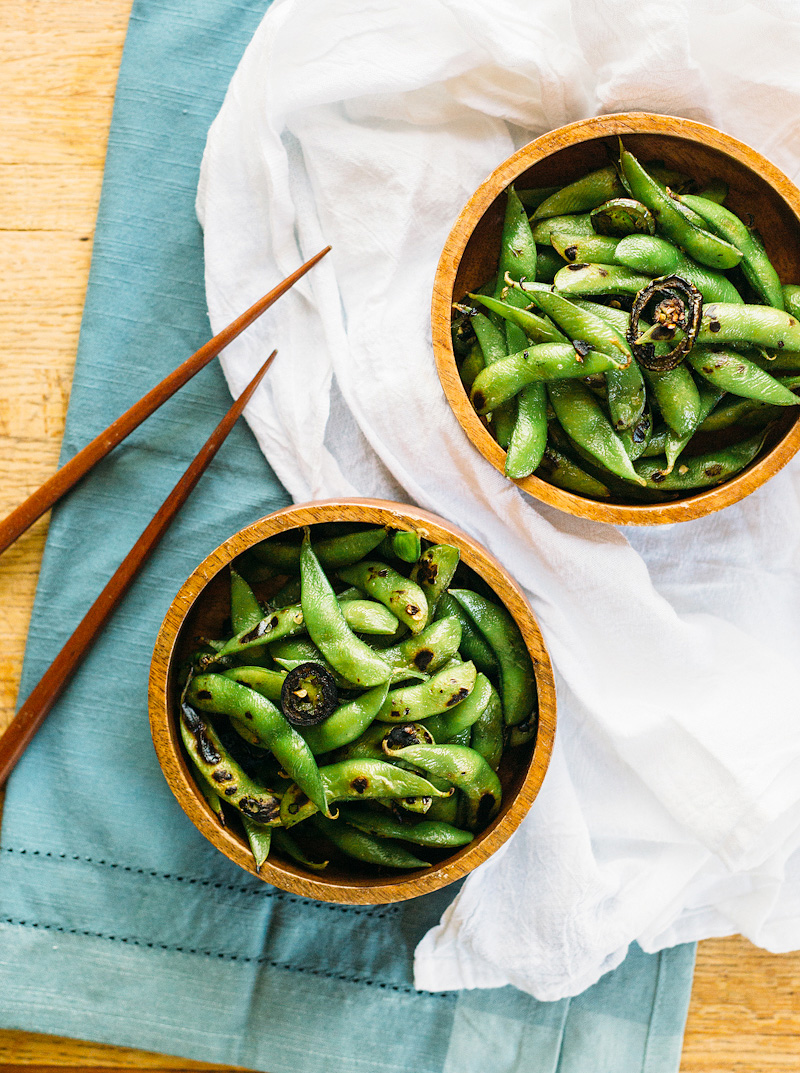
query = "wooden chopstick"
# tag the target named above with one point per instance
(43, 498)
(33, 712)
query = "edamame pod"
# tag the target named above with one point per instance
(487, 736)
(445, 726)
(517, 680)
(222, 772)
(246, 611)
(579, 279)
(423, 833)
(215, 693)
(585, 193)
(760, 325)
(285, 622)
(260, 838)
(326, 625)
(287, 845)
(581, 325)
(414, 703)
(403, 597)
(539, 329)
(332, 552)
(582, 418)
(556, 468)
(529, 438)
(704, 470)
(675, 443)
(704, 247)
(429, 650)
(577, 224)
(472, 645)
(433, 572)
(583, 249)
(364, 847)
(732, 372)
(755, 264)
(548, 361)
(655, 256)
(677, 396)
(464, 768)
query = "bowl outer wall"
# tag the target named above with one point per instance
(283, 874)
(470, 255)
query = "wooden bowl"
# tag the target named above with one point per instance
(471, 253)
(201, 607)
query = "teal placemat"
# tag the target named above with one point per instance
(118, 921)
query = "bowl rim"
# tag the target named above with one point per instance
(166, 737)
(585, 130)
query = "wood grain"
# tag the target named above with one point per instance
(745, 1010)
(471, 251)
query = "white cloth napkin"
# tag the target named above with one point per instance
(671, 810)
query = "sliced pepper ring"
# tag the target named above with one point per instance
(308, 695)
(685, 304)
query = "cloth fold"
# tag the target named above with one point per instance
(672, 807)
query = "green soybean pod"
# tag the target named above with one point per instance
(214, 693)
(472, 645)
(702, 471)
(548, 262)
(704, 247)
(333, 552)
(428, 650)
(406, 545)
(363, 847)
(369, 616)
(423, 832)
(260, 838)
(756, 265)
(582, 418)
(745, 413)
(656, 256)
(213, 800)
(585, 193)
(403, 597)
(433, 571)
(488, 732)
(583, 249)
(464, 768)
(221, 771)
(533, 197)
(733, 372)
(245, 609)
(529, 438)
(347, 723)
(573, 224)
(677, 396)
(791, 299)
(723, 322)
(326, 625)
(674, 444)
(626, 395)
(536, 328)
(581, 324)
(444, 726)
(517, 680)
(556, 468)
(442, 691)
(586, 280)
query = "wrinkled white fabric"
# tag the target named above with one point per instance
(671, 810)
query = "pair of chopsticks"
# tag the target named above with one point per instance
(34, 711)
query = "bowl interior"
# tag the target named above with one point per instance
(202, 609)
(757, 190)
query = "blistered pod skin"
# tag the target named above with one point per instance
(357, 780)
(465, 769)
(285, 622)
(557, 469)
(443, 727)
(517, 681)
(724, 322)
(585, 249)
(403, 597)
(732, 372)
(327, 628)
(581, 325)
(214, 693)
(701, 471)
(408, 704)
(221, 771)
(434, 571)
(428, 650)
(585, 280)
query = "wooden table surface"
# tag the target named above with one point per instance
(58, 66)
